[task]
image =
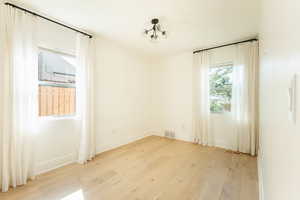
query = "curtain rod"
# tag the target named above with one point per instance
(33, 13)
(225, 45)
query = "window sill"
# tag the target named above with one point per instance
(55, 118)
(220, 113)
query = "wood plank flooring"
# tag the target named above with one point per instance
(153, 168)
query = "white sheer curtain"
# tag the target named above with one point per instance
(85, 99)
(201, 109)
(19, 73)
(245, 97)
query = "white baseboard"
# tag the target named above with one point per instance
(219, 144)
(223, 145)
(260, 175)
(55, 163)
(177, 137)
(157, 133)
(130, 140)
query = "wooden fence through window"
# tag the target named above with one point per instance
(56, 101)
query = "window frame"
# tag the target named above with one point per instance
(57, 84)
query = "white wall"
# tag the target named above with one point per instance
(280, 60)
(57, 139)
(122, 85)
(172, 96)
(122, 92)
(172, 99)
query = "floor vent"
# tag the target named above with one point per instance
(170, 134)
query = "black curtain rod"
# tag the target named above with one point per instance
(33, 13)
(225, 45)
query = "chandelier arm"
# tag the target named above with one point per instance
(158, 27)
(151, 29)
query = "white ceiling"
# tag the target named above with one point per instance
(190, 24)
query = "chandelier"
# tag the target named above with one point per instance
(155, 32)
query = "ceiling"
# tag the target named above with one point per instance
(190, 24)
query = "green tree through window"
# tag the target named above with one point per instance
(220, 89)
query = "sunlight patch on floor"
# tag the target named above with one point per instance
(78, 195)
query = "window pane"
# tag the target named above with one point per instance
(57, 89)
(55, 67)
(220, 89)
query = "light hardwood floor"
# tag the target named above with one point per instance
(153, 168)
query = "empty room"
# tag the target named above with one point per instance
(149, 100)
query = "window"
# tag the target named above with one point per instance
(57, 85)
(220, 84)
